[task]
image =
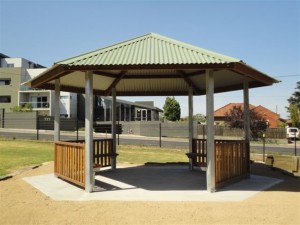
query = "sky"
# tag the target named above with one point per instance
(263, 33)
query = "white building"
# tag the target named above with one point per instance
(13, 73)
(68, 105)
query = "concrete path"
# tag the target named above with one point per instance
(150, 183)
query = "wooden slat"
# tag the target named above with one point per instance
(69, 158)
(69, 162)
(231, 159)
(232, 162)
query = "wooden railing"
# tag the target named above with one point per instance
(232, 159)
(199, 152)
(69, 160)
(103, 151)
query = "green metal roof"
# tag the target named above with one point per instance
(149, 49)
(151, 65)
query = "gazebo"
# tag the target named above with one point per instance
(151, 65)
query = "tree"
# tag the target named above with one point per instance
(294, 106)
(235, 119)
(172, 109)
(199, 118)
(295, 98)
(26, 108)
(294, 115)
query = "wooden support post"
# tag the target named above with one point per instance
(113, 128)
(191, 130)
(88, 131)
(57, 111)
(210, 173)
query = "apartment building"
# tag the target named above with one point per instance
(13, 73)
(16, 71)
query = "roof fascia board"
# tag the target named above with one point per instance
(246, 70)
(53, 73)
(139, 76)
(151, 67)
(150, 93)
(236, 87)
(67, 88)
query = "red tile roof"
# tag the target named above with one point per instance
(222, 111)
(272, 117)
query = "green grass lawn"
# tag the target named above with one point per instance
(15, 154)
(143, 154)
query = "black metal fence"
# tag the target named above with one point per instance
(66, 124)
(31, 120)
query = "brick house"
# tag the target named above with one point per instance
(270, 116)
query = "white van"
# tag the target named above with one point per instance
(292, 133)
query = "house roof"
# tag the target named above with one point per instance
(151, 65)
(263, 110)
(3, 56)
(221, 112)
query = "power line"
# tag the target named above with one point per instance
(292, 75)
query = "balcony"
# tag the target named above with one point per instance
(37, 105)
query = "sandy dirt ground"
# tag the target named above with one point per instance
(20, 203)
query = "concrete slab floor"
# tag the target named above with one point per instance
(150, 183)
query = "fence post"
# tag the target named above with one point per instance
(117, 129)
(264, 146)
(160, 135)
(37, 126)
(2, 122)
(295, 140)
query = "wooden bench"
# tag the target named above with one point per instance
(194, 157)
(96, 168)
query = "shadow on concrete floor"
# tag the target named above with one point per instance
(155, 178)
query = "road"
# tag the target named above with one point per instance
(180, 143)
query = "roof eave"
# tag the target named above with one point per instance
(52, 73)
(255, 74)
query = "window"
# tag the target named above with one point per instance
(5, 99)
(42, 102)
(5, 82)
(39, 102)
(10, 65)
